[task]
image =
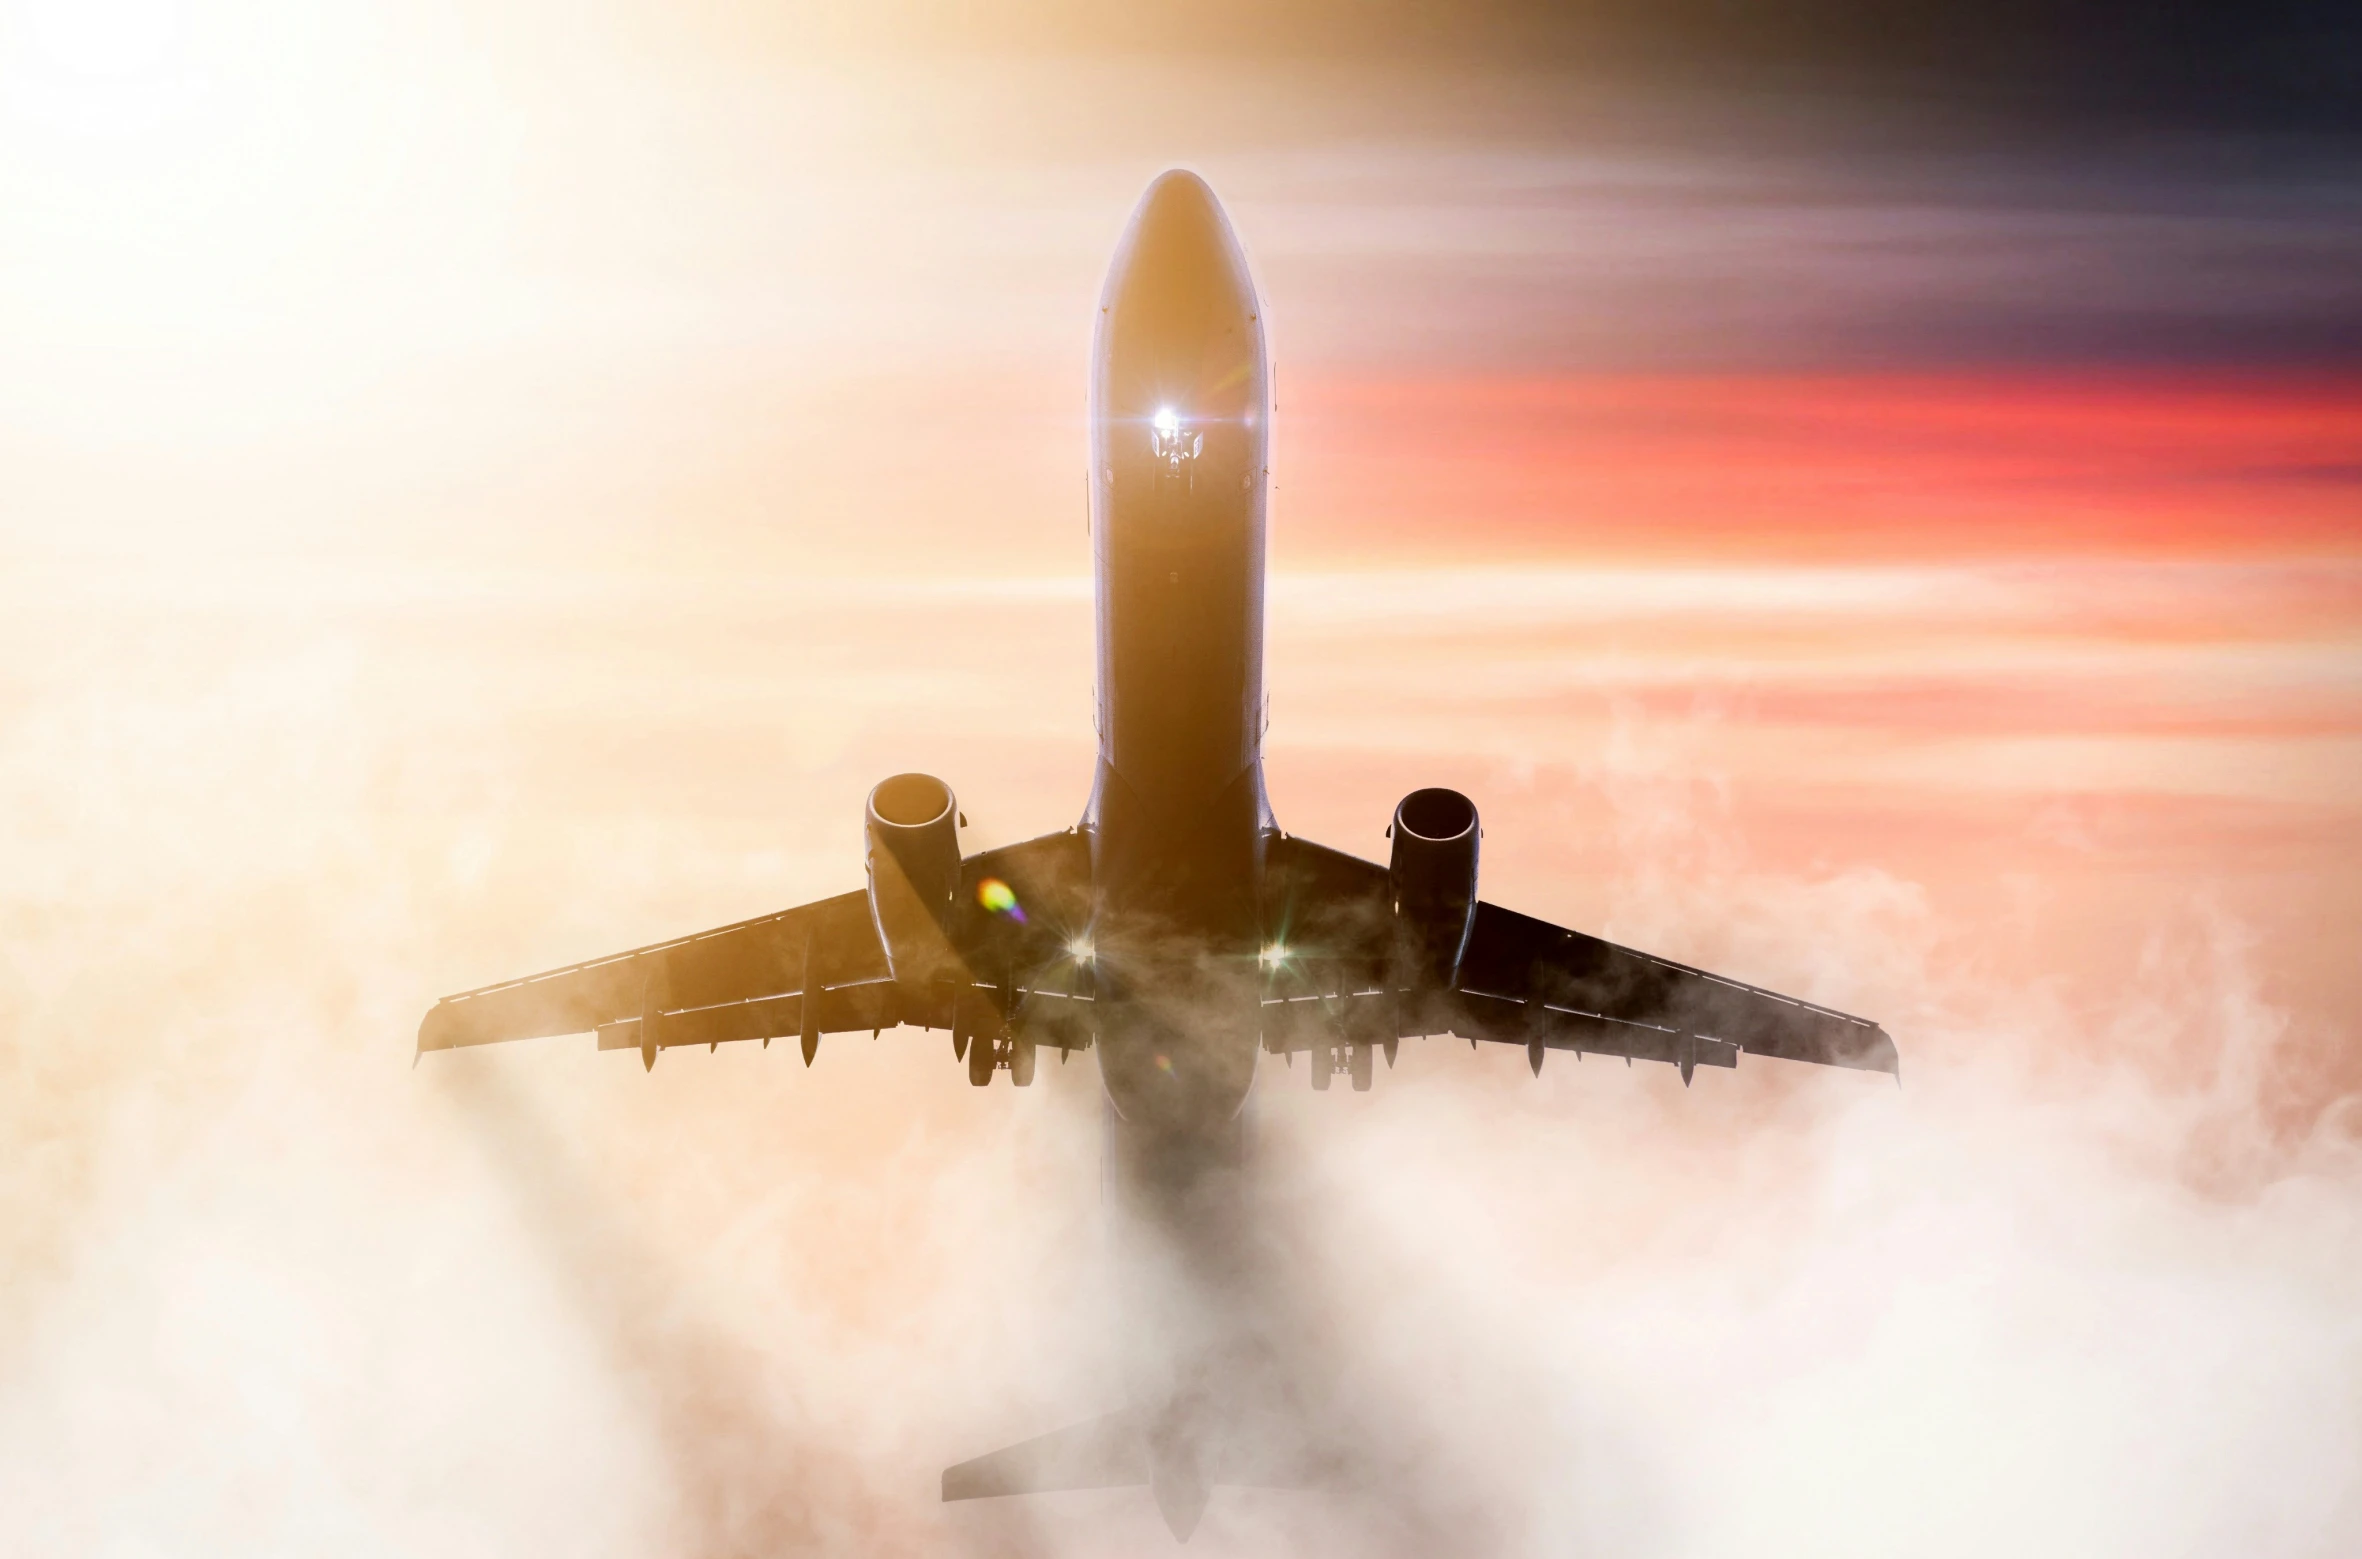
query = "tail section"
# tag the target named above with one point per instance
(1167, 1453)
(1108, 1452)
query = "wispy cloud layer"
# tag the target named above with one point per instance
(470, 506)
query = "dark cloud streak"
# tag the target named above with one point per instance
(2047, 67)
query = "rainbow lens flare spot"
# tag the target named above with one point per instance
(1000, 898)
(1164, 1063)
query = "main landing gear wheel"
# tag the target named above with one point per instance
(1021, 1063)
(980, 1061)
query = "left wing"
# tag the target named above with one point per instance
(816, 969)
(741, 981)
(1526, 982)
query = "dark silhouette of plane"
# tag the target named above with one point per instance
(1175, 931)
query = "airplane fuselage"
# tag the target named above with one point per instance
(1179, 437)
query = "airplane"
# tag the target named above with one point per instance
(1175, 932)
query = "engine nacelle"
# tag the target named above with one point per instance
(911, 830)
(1433, 877)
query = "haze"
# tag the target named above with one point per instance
(481, 491)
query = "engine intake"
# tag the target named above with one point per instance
(911, 829)
(1433, 877)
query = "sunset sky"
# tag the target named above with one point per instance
(483, 488)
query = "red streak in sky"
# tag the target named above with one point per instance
(1853, 468)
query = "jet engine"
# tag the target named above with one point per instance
(1432, 874)
(911, 830)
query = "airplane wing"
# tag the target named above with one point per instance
(816, 969)
(1525, 982)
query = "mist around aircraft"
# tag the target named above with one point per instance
(1177, 934)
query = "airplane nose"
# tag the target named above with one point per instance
(1178, 275)
(1180, 250)
(1179, 328)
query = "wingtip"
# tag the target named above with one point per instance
(1884, 1057)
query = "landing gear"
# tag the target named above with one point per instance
(1355, 1061)
(987, 1056)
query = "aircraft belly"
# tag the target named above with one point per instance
(1176, 931)
(1182, 665)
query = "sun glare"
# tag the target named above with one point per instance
(103, 69)
(99, 38)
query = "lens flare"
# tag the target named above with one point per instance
(1000, 898)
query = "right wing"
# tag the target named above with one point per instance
(816, 969)
(1526, 982)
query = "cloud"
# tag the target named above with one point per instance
(2086, 1281)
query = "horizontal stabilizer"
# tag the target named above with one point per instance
(1170, 1453)
(1099, 1453)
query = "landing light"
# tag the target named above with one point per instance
(1081, 949)
(1174, 445)
(1273, 956)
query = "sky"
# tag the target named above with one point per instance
(480, 488)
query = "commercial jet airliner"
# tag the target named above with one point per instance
(1175, 932)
